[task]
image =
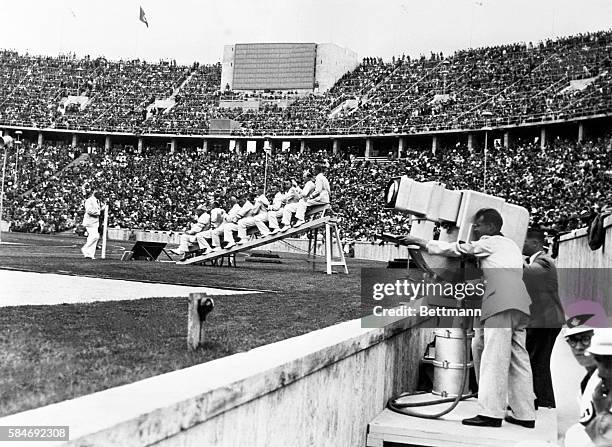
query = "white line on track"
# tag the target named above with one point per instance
(29, 288)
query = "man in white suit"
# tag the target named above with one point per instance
(216, 219)
(501, 360)
(290, 198)
(228, 218)
(91, 221)
(202, 224)
(313, 193)
(232, 225)
(256, 217)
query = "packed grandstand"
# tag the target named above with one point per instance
(561, 183)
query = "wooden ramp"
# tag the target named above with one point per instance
(332, 239)
(393, 429)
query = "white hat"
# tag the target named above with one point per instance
(576, 325)
(568, 332)
(601, 343)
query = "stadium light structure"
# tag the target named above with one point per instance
(267, 147)
(6, 142)
(486, 128)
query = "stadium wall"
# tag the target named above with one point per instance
(332, 63)
(321, 388)
(584, 274)
(227, 67)
(574, 250)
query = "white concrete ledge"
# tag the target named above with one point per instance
(162, 407)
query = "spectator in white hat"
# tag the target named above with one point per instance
(578, 337)
(599, 428)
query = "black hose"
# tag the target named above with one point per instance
(404, 408)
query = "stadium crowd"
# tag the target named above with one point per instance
(561, 185)
(498, 85)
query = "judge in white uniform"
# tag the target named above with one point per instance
(290, 198)
(202, 223)
(91, 221)
(313, 193)
(228, 218)
(217, 215)
(231, 226)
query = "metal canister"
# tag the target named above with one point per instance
(449, 362)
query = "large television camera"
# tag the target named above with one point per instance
(447, 215)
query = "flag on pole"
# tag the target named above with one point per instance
(143, 17)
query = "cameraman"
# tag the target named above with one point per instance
(501, 361)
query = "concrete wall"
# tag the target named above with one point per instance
(227, 67)
(584, 274)
(332, 63)
(318, 389)
(574, 250)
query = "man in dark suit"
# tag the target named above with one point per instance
(547, 315)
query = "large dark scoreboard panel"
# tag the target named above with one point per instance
(274, 66)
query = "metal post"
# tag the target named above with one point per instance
(266, 174)
(104, 231)
(2, 193)
(484, 188)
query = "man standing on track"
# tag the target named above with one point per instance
(91, 221)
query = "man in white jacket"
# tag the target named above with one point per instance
(290, 198)
(317, 193)
(228, 218)
(91, 221)
(202, 224)
(501, 361)
(256, 215)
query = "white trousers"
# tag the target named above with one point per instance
(185, 242)
(273, 218)
(201, 239)
(502, 366)
(247, 222)
(288, 211)
(303, 204)
(89, 249)
(228, 230)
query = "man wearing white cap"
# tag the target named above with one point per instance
(578, 337)
(599, 428)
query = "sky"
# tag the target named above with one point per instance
(197, 30)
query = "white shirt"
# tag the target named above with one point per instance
(233, 213)
(92, 212)
(216, 217)
(277, 202)
(534, 256)
(261, 204)
(202, 224)
(322, 188)
(502, 267)
(492, 251)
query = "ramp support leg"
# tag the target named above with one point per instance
(332, 238)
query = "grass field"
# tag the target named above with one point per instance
(53, 353)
